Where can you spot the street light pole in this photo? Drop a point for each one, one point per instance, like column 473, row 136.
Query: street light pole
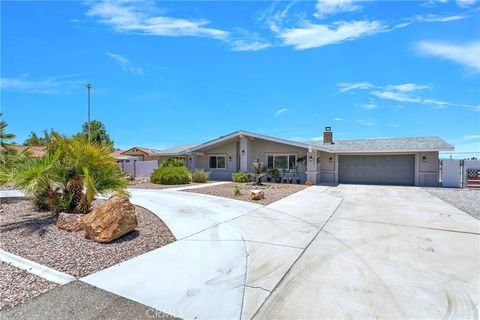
column 88, row 86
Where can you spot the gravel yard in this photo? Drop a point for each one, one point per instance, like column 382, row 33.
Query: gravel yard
column 33, row 235
column 464, row 199
column 18, row 286
column 273, row 191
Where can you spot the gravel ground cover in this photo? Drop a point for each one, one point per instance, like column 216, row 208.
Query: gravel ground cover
column 273, row 191
column 144, row 183
column 467, row 200
column 31, row 234
column 18, row 285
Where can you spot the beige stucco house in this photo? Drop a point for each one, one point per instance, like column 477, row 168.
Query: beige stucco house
column 397, row 161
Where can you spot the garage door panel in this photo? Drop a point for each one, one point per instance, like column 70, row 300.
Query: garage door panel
column 385, row 169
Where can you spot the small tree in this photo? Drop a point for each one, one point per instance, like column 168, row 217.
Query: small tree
column 98, row 133
column 34, row 140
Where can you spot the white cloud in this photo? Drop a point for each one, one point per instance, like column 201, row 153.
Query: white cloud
column 393, row 125
column 471, row 137
column 330, row 7
column 436, row 18
column 247, row 41
column 465, row 3
column 145, row 18
column 407, row 92
column 311, row 35
column 467, row 54
column 49, row 85
column 349, row 86
column 125, row 64
column 408, row 87
column 338, row 119
column 369, row 106
column 280, row 112
column 368, row 123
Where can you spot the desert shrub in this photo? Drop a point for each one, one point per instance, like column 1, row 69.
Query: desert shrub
column 241, row 177
column 170, row 175
column 70, row 175
column 236, row 191
column 199, row 176
column 172, row 162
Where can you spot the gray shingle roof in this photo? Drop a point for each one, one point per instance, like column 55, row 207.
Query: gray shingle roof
column 390, row 144
column 174, row 150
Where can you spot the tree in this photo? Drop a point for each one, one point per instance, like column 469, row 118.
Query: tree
column 69, row 176
column 98, row 132
column 34, row 140
column 4, row 137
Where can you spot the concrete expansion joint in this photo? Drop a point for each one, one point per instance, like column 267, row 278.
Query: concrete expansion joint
column 299, row 256
column 275, row 244
column 255, row 287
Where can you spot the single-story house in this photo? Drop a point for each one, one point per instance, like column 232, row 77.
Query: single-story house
column 394, row 161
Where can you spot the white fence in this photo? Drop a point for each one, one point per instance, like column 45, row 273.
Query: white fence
column 139, row 168
column 454, row 172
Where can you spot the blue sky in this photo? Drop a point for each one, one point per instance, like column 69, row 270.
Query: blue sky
column 168, row 73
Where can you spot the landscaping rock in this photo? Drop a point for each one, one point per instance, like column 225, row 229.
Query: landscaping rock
column 70, row 222
column 113, row 219
column 256, row 195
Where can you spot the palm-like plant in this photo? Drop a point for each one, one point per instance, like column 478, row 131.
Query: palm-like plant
column 4, row 137
column 70, row 175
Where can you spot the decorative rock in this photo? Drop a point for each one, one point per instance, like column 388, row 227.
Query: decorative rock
column 256, row 195
column 70, row 222
column 113, row 219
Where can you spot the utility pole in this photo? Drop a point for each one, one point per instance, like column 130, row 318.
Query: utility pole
column 88, row 86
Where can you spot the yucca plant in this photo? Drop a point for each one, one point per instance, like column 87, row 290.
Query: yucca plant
column 71, row 174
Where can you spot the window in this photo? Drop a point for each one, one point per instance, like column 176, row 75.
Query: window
column 282, row 161
column 217, row 162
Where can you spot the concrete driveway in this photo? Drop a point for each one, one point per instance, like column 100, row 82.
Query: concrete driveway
column 325, row 252
column 387, row 252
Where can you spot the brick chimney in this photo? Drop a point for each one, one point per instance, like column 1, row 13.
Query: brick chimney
column 328, row 135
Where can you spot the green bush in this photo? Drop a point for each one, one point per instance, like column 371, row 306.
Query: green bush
column 172, row 162
column 199, row 176
column 170, row 175
column 241, row 177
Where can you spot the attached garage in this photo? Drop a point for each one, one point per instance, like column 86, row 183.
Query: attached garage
column 377, row 169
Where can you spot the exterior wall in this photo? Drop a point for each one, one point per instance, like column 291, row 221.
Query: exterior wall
column 262, row 148
column 328, row 168
column 229, row 151
column 253, row 149
column 427, row 173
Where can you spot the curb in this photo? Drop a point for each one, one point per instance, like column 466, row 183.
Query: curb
column 47, row 273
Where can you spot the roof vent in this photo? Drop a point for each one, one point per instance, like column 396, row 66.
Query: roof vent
column 328, row 135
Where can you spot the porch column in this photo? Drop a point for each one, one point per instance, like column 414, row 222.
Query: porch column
column 313, row 171
column 243, row 153
column 191, row 162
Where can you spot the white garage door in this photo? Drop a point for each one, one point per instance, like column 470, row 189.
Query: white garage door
column 392, row 170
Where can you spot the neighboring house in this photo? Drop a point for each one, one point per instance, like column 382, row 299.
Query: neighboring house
column 34, row 151
column 396, row 161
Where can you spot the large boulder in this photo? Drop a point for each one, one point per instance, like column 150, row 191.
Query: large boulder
column 111, row 220
column 70, row 222
column 256, row 195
